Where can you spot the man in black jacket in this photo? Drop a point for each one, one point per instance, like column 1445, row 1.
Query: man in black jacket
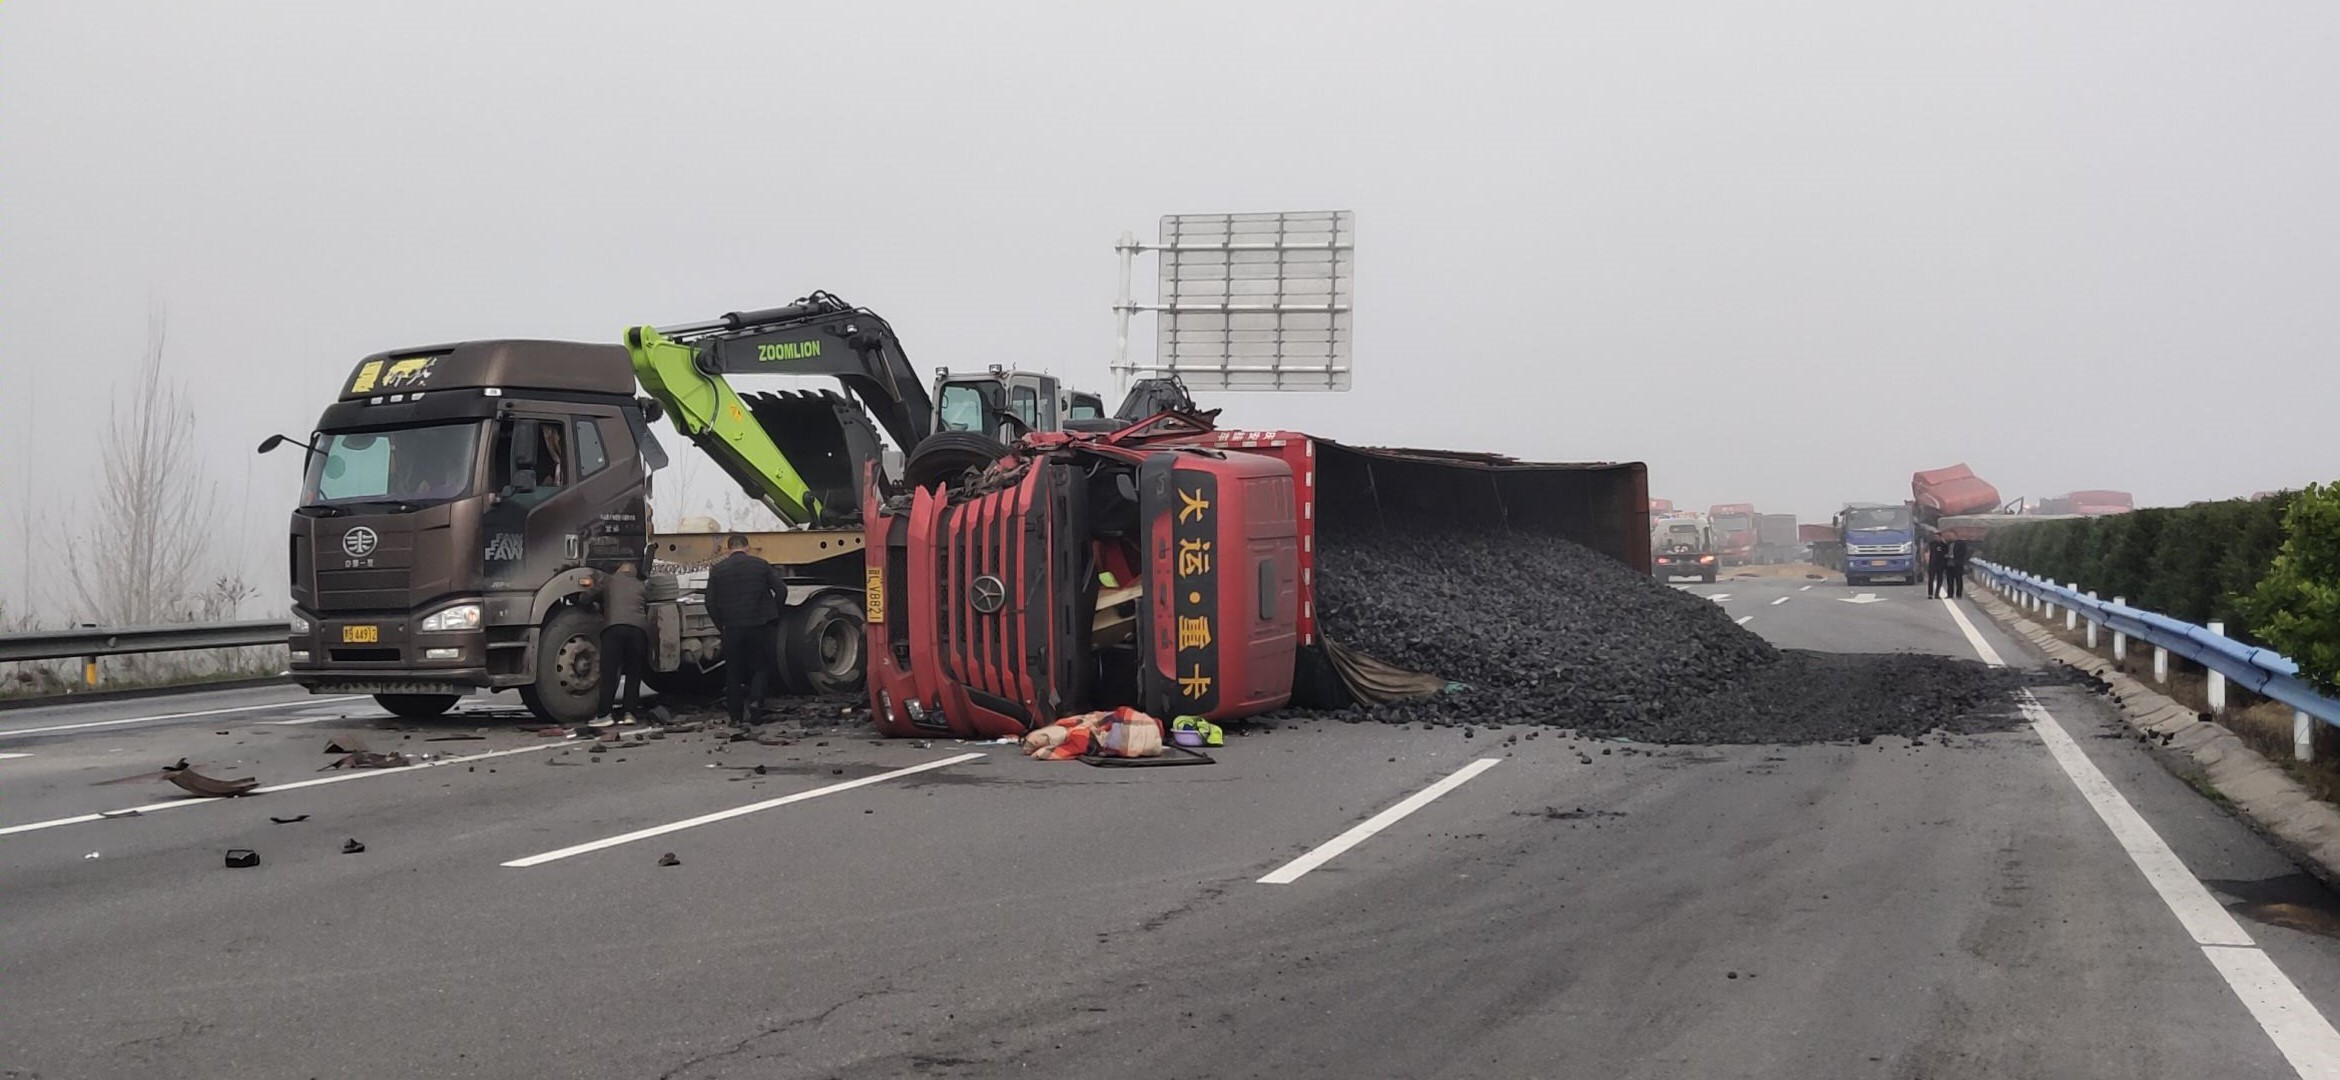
column 744, row 597
column 1937, row 568
column 625, row 641
column 1956, row 582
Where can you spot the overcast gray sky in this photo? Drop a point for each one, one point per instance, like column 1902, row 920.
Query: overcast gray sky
column 1784, row 253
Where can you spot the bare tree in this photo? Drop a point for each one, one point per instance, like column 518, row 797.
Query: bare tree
column 136, row 560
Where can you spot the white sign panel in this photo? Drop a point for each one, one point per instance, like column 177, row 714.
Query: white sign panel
column 1255, row 301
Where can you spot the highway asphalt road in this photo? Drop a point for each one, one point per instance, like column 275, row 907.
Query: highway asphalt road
column 1552, row 908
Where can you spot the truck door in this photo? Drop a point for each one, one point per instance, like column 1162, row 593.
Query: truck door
column 535, row 525
column 1032, row 401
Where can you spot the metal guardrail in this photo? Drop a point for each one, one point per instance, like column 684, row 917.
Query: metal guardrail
column 123, row 640
column 2262, row 671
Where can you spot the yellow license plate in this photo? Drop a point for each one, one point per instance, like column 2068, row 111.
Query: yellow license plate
column 874, row 604
column 357, row 635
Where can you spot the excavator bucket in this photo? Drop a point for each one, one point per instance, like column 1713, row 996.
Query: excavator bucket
column 826, row 436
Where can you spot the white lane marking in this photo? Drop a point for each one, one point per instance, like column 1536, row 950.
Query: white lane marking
column 5, row 757
column 304, row 720
column 2299, row 1031
column 170, row 716
column 196, row 800
column 736, row 811
column 1806, row 588
column 1781, row 600
column 1325, row 852
column 1745, row 619
column 1862, row 598
column 1719, row 597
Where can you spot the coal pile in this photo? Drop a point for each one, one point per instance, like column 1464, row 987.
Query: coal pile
column 1541, row 631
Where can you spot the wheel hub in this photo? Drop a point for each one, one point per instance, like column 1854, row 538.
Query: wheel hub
column 578, row 664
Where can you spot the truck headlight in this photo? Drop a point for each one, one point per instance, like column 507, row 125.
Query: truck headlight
column 300, row 624
column 459, row 617
column 1908, row 546
column 298, row 656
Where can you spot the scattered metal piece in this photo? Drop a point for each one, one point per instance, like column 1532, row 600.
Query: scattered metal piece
column 561, row 761
column 367, row 760
column 346, row 744
column 117, row 813
column 668, row 859
column 239, row 858
column 761, row 770
column 212, row 787
column 460, row 736
column 352, row 847
column 289, row 820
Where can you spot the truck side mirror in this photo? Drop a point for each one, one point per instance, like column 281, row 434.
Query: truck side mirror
column 271, row 443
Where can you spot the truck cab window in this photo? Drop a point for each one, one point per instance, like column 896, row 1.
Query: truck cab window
column 591, row 457
column 549, row 458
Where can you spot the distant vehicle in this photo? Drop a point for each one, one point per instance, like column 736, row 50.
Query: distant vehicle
column 1776, row 540
column 1822, row 545
column 1879, row 540
column 1734, row 532
column 1681, row 547
column 1660, row 507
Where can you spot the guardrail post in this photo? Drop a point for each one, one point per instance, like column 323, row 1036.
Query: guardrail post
column 89, row 669
column 2092, row 627
column 2071, row 614
column 2120, row 640
column 2217, row 677
column 2161, row 672
column 2303, row 735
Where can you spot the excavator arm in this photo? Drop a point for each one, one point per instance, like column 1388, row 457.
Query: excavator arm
column 683, row 367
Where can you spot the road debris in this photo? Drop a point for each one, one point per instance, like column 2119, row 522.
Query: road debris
column 668, row 859
column 211, row 787
column 352, row 847
column 460, row 736
column 368, row 760
column 91, row 855
column 240, row 858
column 289, row 820
column 346, row 744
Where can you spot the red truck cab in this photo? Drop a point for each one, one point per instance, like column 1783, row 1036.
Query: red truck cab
column 1091, row 575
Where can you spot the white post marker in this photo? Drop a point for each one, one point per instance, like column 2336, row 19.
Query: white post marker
column 2303, row 735
column 2120, row 640
column 2092, row 625
column 2161, row 675
column 2217, row 678
column 2072, row 614
column 1325, row 852
column 2299, row 1032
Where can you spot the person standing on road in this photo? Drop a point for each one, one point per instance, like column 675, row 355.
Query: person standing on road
column 744, row 596
column 1937, row 565
column 1956, row 571
column 625, row 642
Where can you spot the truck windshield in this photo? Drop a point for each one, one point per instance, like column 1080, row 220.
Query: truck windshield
column 1877, row 519
column 419, row 465
column 1734, row 523
column 1683, row 537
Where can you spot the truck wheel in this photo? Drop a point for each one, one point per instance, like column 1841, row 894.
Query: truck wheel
column 944, row 457
column 417, row 706
column 1854, row 579
column 1707, row 577
column 822, row 644
column 568, row 669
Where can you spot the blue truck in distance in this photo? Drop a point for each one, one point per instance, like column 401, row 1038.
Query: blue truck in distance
column 1879, row 541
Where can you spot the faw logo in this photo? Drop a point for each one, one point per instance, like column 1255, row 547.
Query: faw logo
column 788, row 350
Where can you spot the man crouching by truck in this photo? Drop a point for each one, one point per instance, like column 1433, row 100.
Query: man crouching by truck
column 744, row 594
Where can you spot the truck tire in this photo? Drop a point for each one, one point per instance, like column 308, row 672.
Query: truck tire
column 417, row 706
column 1854, row 579
column 1707, row 577
column 944, row 457
column 821, row 642
column 567, row 689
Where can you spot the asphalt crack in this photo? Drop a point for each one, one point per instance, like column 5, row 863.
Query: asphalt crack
column 745, row 1045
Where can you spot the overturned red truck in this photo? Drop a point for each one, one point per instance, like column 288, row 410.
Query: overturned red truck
column 1168, row 566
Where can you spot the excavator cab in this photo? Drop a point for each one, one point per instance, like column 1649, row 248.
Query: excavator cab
column 998, row 403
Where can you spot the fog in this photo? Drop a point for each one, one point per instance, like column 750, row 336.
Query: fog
column 1784, row 254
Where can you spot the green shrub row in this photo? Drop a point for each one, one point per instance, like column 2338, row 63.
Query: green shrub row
column 2198, row 563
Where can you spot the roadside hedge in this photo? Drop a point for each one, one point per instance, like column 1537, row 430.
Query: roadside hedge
column 2198, row 562
column 2296, row 606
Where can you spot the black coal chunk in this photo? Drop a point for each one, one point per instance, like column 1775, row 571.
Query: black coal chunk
column 1539, row 630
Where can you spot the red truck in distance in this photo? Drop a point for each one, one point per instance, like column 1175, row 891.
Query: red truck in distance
column 1734, row 532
